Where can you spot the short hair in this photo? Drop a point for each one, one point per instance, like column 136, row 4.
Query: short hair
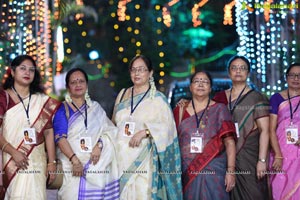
column 70, row 72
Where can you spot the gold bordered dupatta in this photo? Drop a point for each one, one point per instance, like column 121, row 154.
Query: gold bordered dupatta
column 48, row 106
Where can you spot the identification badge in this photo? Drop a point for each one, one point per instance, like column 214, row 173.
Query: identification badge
column 291, row 133
column 197, row 143
column 29, row 136
column 85, row 144
column 129, row 129
column 236, row 125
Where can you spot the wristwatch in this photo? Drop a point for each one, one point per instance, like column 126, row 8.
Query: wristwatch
column 262, row 160
column 147, row 132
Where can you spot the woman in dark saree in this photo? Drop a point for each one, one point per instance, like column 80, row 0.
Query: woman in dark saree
column 250, row 113
column 204, row 166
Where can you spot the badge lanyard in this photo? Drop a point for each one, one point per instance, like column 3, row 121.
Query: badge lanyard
column 198, row 119
column 133, row 108
column 84, row 116
column 291, row 108
column 26, row 109
column 231, row 108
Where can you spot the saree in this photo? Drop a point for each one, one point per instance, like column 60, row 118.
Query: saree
column 29, row 183
column 286, row 185
column 100, row 181
column 204, row 173
column 250, row 107
column 151, row 170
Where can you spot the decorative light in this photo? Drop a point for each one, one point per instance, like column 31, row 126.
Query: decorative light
column 196, row 13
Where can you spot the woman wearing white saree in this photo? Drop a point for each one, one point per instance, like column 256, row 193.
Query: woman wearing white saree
column 149, row 157
column 26, row 126
column 85, row 138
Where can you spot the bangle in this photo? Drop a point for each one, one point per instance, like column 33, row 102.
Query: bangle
column 52, row 163
column 3, row 147
column 262, row 160
column 70, row 159
column 278, row 157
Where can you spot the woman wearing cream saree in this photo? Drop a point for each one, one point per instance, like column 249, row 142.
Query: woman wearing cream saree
column 149, row 161
column 25, row 109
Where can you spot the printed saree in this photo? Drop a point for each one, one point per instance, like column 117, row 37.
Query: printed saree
column 100, row 181
column 152, row 170
column 203, row 174
column 286, row 185
column 251, row 106
column 30, row 183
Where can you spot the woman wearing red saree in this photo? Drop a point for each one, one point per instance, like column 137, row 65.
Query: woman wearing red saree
column 284, row 129
column 24, row 108
column 206, row 139
column 250, row 113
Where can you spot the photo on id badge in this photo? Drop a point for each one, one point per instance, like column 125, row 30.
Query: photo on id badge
column 291, row 136
column 29, row 136
column 129, row 129
column 85, row 144
column 196, row 145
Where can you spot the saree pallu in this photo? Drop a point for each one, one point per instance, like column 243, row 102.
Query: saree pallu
column 286, row 185
column 251, row 106
column 99, row 181
column 204, row 173
column 152, row 170
column 30, row 183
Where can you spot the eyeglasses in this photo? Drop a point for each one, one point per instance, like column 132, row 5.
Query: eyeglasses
column 201, row 81
column 139, row 70
column 23, row 68
column 75, row 82
column 242, row 68
column 293, row 76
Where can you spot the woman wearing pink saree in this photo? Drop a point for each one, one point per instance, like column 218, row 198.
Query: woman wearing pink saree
column 284, row 129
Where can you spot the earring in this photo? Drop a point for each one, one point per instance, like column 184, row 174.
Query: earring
column 152, row 87
column 68, row 97
column 87, row 98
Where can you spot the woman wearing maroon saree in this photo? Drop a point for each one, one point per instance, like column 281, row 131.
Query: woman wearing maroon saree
column 204, row 128
column 250, row 112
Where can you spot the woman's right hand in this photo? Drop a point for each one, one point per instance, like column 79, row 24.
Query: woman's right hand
column 77, row 167
column 20, row 159
column 277, row 164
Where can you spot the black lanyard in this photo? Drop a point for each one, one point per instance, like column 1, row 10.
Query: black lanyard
column 198, row 120
column 231, row 108
column 291, row 108
column 133, row 108
column 84, row 116
column 26, row 109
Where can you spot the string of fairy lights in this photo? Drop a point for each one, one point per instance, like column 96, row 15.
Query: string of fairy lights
column 27, row 26
column 134, row 30
column 268, row 35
